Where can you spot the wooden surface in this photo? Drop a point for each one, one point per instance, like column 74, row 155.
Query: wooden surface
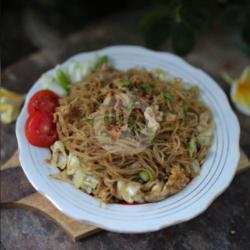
column 39, row 203
column 35, row 201
column 225, row 225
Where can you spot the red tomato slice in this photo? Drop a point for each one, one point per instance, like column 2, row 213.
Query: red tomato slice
column 40, row 129
column 43, row 100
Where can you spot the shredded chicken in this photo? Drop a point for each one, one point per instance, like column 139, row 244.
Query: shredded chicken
column 151, row 119
column 177, row 180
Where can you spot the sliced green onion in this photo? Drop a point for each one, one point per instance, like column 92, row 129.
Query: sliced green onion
column 163, row 107
column 168, row 96
column 144, row 175
column 104, row 134
column 127, row 83
column 131, row 121
column 120, row 117
column 100, row 61
column 62, row 78
column 107, row 118
column 146, row 89
column 90, row 121
column 153, row 141
column 150, row 130
column 131, row 105
column 185, row 109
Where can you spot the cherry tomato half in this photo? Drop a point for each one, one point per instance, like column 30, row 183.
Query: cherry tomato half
column 43, row 100
column 40, row 129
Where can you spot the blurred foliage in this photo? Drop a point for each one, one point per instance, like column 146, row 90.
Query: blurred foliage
column 58, row 18
column 155, row 25
column 179, row 21
column 176, row 21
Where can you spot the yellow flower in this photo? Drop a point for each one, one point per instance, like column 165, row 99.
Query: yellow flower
column 10, row 104
column 240, row 92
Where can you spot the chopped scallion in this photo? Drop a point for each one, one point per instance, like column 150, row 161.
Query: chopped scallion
column 131, row 105
column 100, row 61
column 62, row 78
column 144, row 175
column 153, row 141
column 127, row 83
column 90, row 121
column 131, row 122
column 107, row 118
column 146, row 89
column 104, row 134
column 163, row 107
column 169, row 97
column 185, row 109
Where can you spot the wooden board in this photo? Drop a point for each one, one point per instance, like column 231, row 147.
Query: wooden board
column 35, row 201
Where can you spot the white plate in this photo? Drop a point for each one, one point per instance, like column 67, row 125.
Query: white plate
column 216, row 174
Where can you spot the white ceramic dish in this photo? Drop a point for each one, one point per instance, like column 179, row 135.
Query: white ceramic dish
column 216, row 174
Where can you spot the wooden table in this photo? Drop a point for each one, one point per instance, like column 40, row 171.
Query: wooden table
column 225, row 225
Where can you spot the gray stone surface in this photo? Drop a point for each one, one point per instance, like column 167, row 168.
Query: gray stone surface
column 226, row 223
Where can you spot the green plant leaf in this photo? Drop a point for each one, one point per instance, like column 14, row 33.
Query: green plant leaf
column 196, row 12
column 155, row 27
column 231, row 15
column 246, row 27
column 240, row 42
column 182, row 38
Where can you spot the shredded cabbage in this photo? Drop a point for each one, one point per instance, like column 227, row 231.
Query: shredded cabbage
column 205, row 129
column 59, row 156
column 72, row 169
column 195, row 168
column 162, row 75
column 204, row 118
column 205, row 137
column 192, row 149
column 49, row 82
column 61, row 175
column 86, row 182
column 129, row 191
column 75, row 72
column 73, row 164
column 78, row 70
column 78, row 177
